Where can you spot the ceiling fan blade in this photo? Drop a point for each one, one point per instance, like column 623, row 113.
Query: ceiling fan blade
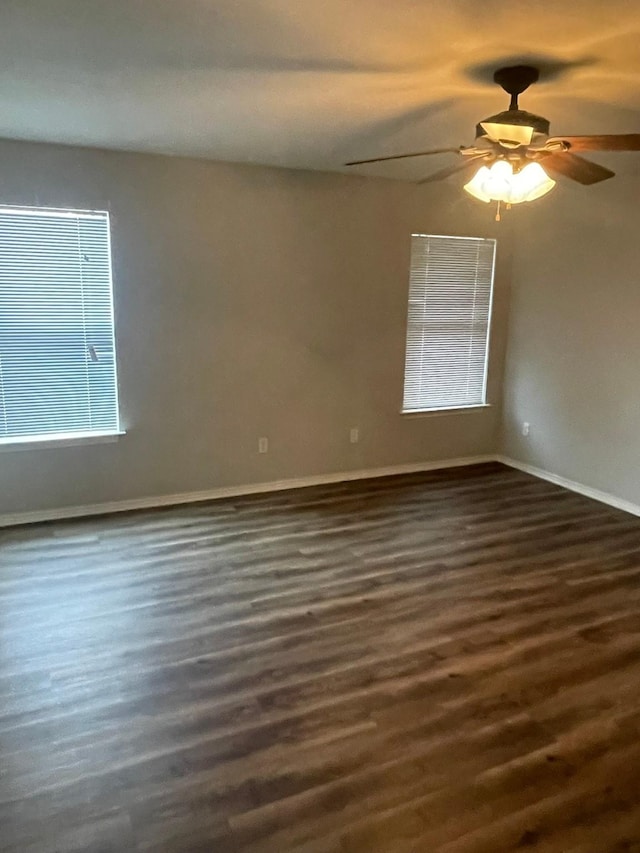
column 404, row 156
column 467, row 165
column 612, row 142
column 577, row 168
column 509, row 134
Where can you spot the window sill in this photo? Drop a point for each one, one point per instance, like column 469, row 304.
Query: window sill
column 67, row 440
column 445, row 410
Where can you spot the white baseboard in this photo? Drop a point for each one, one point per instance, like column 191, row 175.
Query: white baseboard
column 60, row 513
column 587, row 491
column 31, row 517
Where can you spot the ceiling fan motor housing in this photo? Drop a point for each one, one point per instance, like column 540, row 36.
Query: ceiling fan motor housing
column 518, row 117
column 514, row 80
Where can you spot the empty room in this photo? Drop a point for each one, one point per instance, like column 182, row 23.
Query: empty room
column 319, row 426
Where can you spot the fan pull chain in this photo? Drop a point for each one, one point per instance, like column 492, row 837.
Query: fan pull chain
column 498, row 217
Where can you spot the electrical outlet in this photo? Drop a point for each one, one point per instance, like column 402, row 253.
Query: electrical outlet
column 525, row 428
column 263, row 445
column 354, row 435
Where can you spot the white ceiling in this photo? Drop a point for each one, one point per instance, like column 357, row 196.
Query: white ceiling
column 308, row 84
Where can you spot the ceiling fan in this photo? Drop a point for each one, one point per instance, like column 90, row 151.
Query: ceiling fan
column 512, row 147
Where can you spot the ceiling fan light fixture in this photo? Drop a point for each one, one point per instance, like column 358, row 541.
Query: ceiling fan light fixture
column 501, row 183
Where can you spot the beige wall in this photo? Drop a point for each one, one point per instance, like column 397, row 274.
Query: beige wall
column 249, row 302
column 573, row 363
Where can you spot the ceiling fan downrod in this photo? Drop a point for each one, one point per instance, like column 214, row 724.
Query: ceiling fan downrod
column 515, row 79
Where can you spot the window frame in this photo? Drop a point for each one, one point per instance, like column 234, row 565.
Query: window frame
column 435, row 411
column 74, row 437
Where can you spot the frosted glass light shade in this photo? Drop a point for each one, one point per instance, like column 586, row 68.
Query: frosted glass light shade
column 533, row 182
column 500, row 183
column 476, row 186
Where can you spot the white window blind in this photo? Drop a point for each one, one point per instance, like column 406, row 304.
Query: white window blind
column 450, row 293
column 57, row 354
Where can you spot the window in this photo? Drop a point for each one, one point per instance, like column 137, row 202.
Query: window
column 57, row 354
column 450, row 291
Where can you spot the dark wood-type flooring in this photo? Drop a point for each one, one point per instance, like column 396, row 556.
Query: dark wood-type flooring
column 438, row 663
